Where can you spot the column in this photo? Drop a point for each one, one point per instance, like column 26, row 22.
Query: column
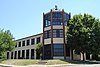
column 25, row 54
column 13, row 54
column 16, row 54
column 35, row 41
column 90, row 56
column 29, row 53
column 9, row 55
column 81, row 55
column 34, row 54
column 21, row 53
column 84, row 56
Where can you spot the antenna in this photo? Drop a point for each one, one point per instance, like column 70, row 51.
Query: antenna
column 56, row 7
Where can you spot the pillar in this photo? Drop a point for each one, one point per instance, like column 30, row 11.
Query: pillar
column 20, row 53
column 16, row 54
column 29, row 53
column 9, row 55
column 90, row 56
column 81, row 56
column 34, row 54
column 13, row 54
column 25, row 54
column 84, row 56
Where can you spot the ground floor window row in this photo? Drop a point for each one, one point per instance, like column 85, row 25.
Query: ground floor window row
column 55, row 50
column 21, row 54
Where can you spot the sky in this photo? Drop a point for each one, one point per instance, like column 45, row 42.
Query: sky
column 25, row 17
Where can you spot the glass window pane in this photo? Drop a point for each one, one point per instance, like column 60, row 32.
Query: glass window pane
column 38, row 40
column 58, row 49
column 32, row 41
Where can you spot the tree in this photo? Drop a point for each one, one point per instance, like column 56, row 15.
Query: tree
column 39, row 50
column 7, row 43
column 81, row 31
column 95, row 37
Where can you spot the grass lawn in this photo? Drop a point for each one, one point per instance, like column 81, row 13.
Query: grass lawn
column 23, row 62
column 50, row 62
column 19, row 62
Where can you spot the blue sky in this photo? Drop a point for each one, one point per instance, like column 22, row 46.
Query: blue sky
column 24, row 17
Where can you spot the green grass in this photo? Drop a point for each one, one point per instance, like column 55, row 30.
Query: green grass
column 50, row 62
column 20, row 62
column 24, row 62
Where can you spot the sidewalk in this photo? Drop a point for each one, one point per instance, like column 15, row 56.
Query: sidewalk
column 5, row 65
column 35, row 65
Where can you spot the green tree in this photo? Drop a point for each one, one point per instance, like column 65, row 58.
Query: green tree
column 39, row 50
column 7, row 43
column 95, row 37
column 81, row 33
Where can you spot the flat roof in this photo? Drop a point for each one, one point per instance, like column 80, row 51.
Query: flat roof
column 29, row 36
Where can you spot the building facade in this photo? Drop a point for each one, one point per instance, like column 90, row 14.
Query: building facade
column 25, row 47
column 54, row 25
column 53, row 39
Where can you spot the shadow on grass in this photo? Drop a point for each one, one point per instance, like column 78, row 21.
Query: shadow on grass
column 81, row 62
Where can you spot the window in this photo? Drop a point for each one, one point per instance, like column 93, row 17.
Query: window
column 16, row 45
column 57, row 18
column 23, row 43
column 11, row 55
column 66, row 18
column 19, row 52
column 32, row 41
column 58, row 49
column 19, row 44
column 7, row 55
column 27, row 54
column 58, row 33
column 28, row 42
column 47, row 34
column 38, row 40
column 32, row 53
column 47, row 20
column 15, row 56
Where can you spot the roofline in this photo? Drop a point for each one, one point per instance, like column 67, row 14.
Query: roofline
column 57, row 11
column 28, row 36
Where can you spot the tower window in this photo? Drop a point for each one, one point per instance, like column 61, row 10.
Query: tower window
column 47, row 34
column 58, row 50
column 47, row 20
column 58, row 33
column 57, row 18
